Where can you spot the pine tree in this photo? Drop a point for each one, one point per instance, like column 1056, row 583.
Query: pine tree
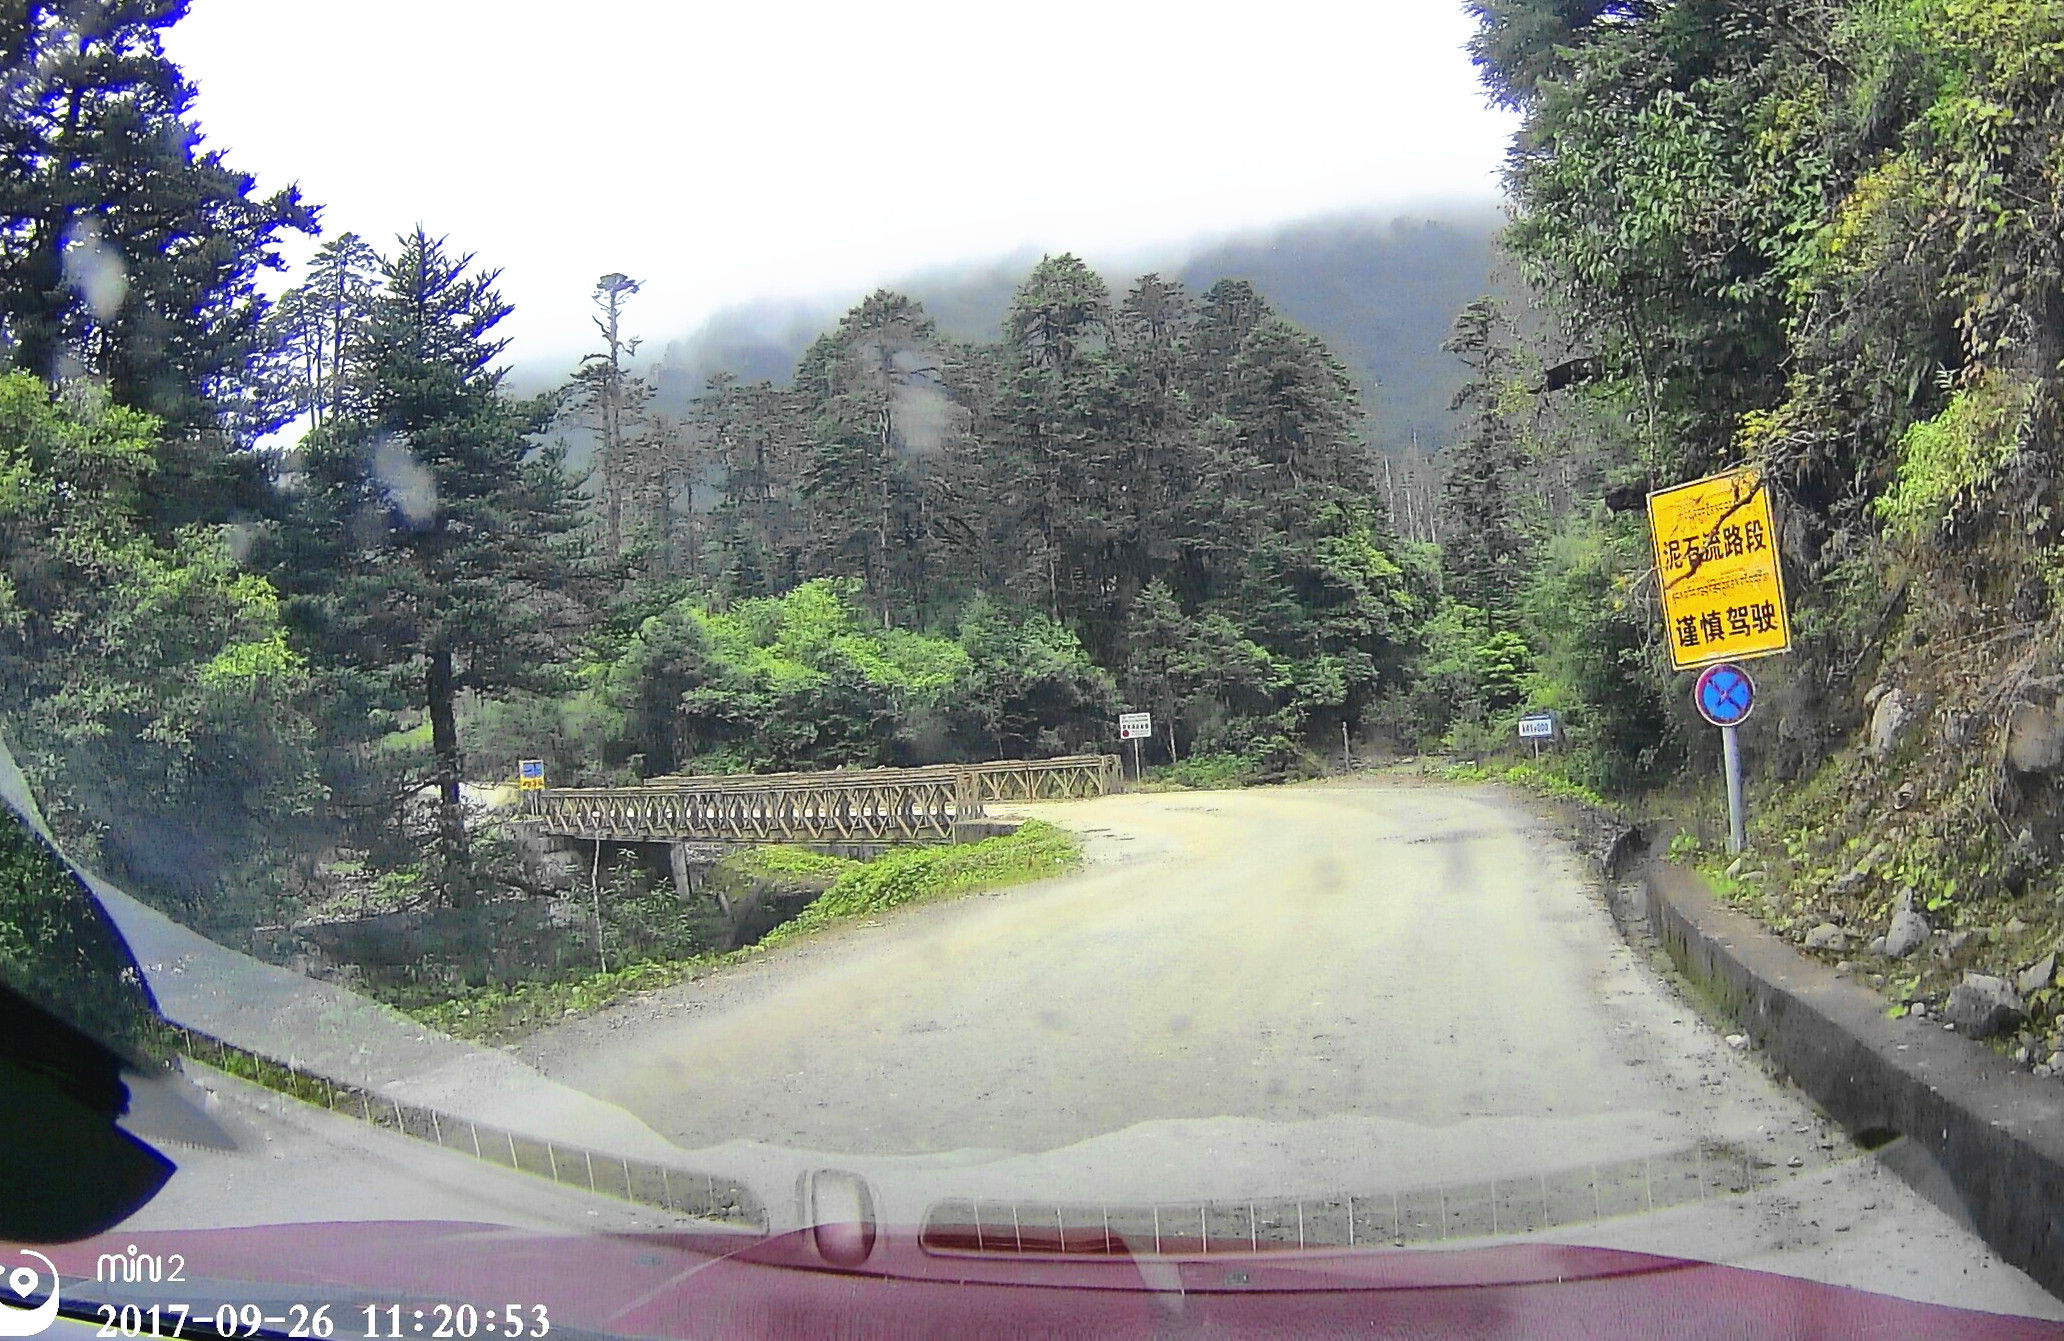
column 610, row 404
column 1487, row 540
column 874, row 391
column 433, row 546
column 128, row 255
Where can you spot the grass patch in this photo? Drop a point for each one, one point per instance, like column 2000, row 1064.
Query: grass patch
column 797, row 861
column 910, row 875
column 1533, row 777
column 913, row 875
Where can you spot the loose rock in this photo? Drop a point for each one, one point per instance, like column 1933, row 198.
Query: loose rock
column 1892, row 722
column 1738, row 1041
column 1826, row 936
column 1982, row 1005
column 2035, row 737
column 2037, row 975
column 1909, row 930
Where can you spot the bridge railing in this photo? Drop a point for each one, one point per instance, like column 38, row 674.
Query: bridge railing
column 894, row 805
column 1071, row 778
column 871, row 805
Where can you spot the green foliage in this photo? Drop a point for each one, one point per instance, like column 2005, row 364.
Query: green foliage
column 144, row 681
column 132, row 254
column 1030, row 690
column 1597, row 666
column 910, row 875
column 57, row 950
column 1546, row 778
column 430, row 554
column 1950, row 458
column 764, row 861
column 1205, row 772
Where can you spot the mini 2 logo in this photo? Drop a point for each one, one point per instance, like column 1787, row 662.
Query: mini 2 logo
column 21, row 1319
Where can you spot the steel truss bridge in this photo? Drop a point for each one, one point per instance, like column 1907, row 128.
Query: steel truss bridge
column 875, row 805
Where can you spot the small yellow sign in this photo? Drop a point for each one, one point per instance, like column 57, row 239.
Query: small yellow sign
column 1716, row 556
column 530, row 775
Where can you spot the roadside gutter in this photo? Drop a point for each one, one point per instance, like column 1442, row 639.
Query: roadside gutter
column 1995, row 1131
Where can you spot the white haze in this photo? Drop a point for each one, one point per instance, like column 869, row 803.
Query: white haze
column 738, row 152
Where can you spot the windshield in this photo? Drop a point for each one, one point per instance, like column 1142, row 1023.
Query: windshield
column 718, row 672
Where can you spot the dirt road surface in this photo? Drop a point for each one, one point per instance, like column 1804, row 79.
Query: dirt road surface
column 1368, row 986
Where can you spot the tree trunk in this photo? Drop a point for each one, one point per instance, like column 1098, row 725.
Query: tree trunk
column 442, row 696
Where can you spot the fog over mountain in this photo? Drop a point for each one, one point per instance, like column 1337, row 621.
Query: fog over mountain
column 1381, row 292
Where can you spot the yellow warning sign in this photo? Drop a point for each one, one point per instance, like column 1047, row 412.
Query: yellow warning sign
column 1716, row 555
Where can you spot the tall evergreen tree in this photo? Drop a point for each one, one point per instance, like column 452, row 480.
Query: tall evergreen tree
column 1485, row 560
column 127, row 253
column 610, row 403
column 873, row 385
column 433, row 546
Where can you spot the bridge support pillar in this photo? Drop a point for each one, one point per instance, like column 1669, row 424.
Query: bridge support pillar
column 677, row 862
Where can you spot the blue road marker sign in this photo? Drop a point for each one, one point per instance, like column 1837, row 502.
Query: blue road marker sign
column 1724, row 694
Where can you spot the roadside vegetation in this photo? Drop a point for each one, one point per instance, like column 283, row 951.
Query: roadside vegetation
column 850, row 890
column 266, row 691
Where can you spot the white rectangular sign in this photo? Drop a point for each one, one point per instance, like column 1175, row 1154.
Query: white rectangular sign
column 1537, row 726
column 1135, row 725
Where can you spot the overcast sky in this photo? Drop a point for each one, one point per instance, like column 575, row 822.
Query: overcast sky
column 726, row 153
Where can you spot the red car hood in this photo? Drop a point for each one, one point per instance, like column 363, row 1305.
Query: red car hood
column 724, row 1286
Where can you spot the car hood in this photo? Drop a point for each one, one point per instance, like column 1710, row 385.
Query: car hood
column 840, row 1281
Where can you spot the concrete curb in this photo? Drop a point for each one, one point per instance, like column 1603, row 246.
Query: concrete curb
column 1997, row 1133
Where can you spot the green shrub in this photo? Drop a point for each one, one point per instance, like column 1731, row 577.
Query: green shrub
column 910, row 875
column 1945, row 460
column 1204, row 772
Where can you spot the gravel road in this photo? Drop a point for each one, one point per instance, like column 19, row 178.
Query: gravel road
column 1374, row 985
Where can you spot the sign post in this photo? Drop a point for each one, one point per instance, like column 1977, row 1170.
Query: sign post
column 530, row 777
column 1723, row 601
column 1724, row 695
column 1135, row 727
column 1537, row 727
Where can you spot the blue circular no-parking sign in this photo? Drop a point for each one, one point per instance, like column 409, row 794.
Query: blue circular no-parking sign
column 1724, row 694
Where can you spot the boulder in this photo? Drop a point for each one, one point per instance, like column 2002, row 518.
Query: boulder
column 2035, row 737
column 1982, row 1005
column 1877, row 691
column 1826, row 936
column 1909, row 930
column 2037, row 975
column 1892, row 722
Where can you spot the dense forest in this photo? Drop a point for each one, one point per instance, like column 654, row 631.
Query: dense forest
column 1815, row 235
column 1380, row 292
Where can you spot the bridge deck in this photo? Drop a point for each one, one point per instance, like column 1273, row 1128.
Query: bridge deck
column 881, row 805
